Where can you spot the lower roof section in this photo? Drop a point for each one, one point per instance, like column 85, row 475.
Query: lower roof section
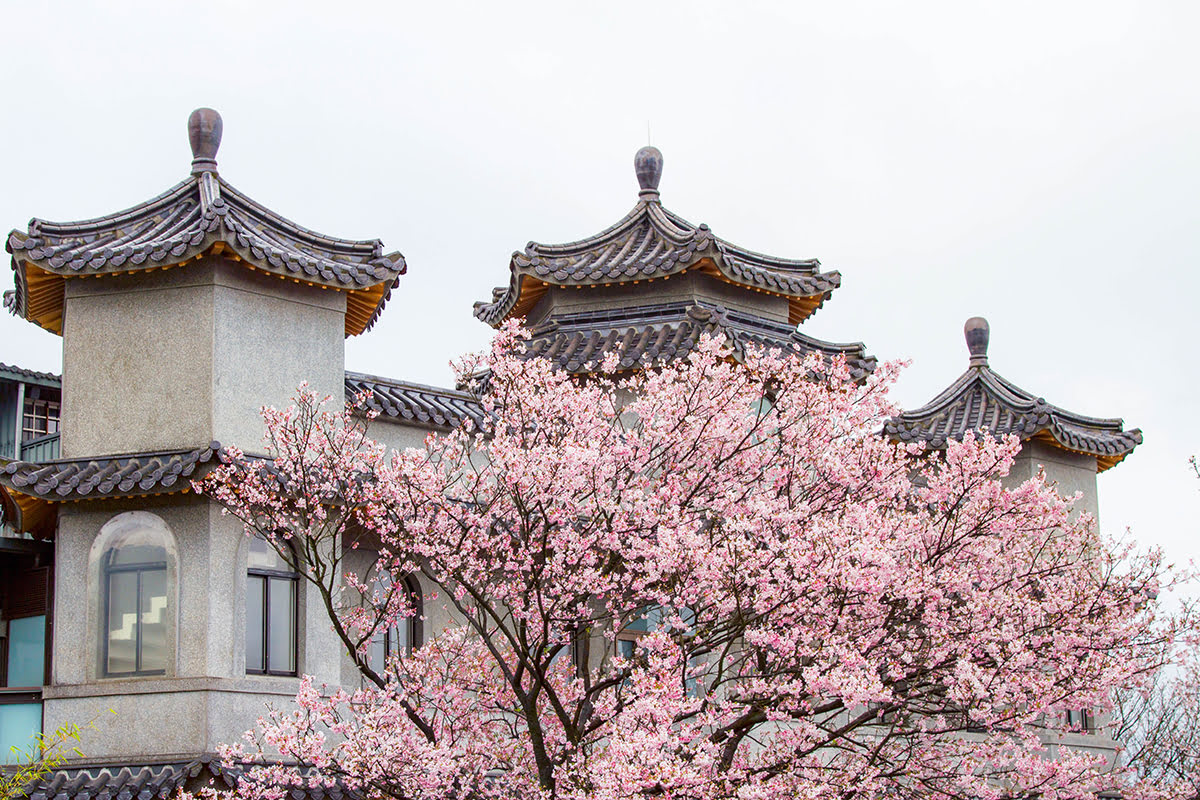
column 108, row 476
column 161, row 780
column 414, row 403
column 658, row 334
column 29, row 490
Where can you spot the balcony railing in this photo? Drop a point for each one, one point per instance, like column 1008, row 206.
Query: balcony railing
column 43, row 448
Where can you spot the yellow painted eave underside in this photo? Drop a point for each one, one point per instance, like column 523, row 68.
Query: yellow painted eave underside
column 46, row 291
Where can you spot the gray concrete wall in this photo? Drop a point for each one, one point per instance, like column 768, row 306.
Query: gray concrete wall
column 270, row 335
column 1069, row 472
column 205, row 698
column 178, row 358
column 690, row 286
column 397, row 435
column 137, row 361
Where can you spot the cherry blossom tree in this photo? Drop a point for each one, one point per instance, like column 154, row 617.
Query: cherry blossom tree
column 708, row 580
column 1159, row 726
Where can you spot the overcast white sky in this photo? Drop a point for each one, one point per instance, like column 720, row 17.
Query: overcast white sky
column 1035, row 163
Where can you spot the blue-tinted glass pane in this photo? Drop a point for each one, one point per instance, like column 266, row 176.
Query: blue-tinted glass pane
column 281, row 627
column 254, row 623
column 625, row 648
column 122, row 623
column 377, row 652
column 18, row 723
column 400, row 637
column 154, row 620
column 26, row 651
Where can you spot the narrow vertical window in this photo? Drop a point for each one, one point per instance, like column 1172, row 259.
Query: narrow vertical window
column 401, row 638
column 136, row 619
column 270, row 611
column 23, row 593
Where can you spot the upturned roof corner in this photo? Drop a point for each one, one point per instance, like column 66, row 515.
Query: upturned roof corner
column 982, row 400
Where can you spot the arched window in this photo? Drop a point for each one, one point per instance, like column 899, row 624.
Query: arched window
column 136, row 596
column 270, row 611
column 403, row 637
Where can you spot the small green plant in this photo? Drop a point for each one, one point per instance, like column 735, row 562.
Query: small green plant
column 46, row 753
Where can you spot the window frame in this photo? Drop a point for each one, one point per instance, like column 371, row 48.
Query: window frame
column 1081, row 720
column 108, row 569
column 267, row 576
column 50, row 414
column 414, row 623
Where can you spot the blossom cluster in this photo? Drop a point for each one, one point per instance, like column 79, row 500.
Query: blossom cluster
column 711, row 579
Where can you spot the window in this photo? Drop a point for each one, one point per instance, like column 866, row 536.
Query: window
column 23, row 594
column 1081, row 720
column 648, row 619
column 40, row 418
column 405, row 635
column 136, row 616
column 270, row 611
column 643, row 621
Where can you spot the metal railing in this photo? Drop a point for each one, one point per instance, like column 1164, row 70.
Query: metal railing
column 43, row 448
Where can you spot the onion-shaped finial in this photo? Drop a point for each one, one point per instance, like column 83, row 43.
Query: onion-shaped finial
column 204, row 133
column 977, row 332
column 648, row 165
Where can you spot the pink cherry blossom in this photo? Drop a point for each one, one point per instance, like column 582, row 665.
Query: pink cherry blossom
column 713, row 579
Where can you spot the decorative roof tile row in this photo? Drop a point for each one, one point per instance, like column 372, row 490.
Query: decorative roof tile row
column 659, row 334
column 185, row 221
column 123, row 782
column 161, row 781
column 982, row 400
column 108, row 476
column 414, row 403
column 10, row 372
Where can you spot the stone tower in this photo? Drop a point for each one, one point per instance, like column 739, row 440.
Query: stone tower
column 180, row 318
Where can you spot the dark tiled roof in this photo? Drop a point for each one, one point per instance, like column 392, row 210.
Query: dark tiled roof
column 108, row 476
column 649, row 243
column 161, row 780
column 201, row 214
column 982, row 400
column 412, row 402
column 125, row 782
column 21, row 374
column 648, row 335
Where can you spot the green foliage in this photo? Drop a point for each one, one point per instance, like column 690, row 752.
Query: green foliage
column 46, row 753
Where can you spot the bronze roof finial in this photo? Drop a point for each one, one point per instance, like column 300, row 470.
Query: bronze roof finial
column 204, row 133
column 977, row 332
column 648, row 165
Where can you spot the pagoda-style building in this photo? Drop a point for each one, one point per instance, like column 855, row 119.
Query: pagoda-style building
column 1072, row 448
column 650, row 285
column 180, row 318
column 122, row 589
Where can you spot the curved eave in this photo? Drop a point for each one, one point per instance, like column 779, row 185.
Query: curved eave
column 40, row 288
column 199, row 217
column 27, row 513
column 525, row 287
column 38, row 485
column 678, row 247
column 661, row 334
column 1031, row 418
